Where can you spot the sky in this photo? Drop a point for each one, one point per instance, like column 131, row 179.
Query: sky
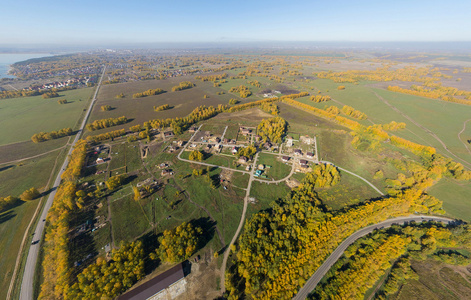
column 102, row 22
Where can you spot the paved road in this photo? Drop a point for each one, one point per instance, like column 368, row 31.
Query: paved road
column 311, row 284
column 26, row 292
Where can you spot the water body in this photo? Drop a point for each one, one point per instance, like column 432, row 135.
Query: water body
column 6, row 59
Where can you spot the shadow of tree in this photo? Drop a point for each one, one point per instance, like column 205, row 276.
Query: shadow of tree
column 6, row 216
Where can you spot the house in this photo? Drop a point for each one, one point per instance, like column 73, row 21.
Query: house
column 258, row 138
column 172, row 148
column 285, row 158
column 246, row 131
column 193, row 129
column 310, row 155
column 168, row 134
column 208, row 147
column 152, row 288
column 261, row 167
column 248, row 168
column 163, row 165
column 234, row 150
column 226, row 141
column 215, row 139
column 258, row 173
column 267, row 145
column 180, row 143
column 303, row 162
column 99, row 160
column 298, row 152
column 166, row 172
column 289, row 141
column 243, row 160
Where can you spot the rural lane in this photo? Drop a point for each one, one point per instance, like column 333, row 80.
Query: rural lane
column 239, row 228
column 312, row 282
column 26, row 292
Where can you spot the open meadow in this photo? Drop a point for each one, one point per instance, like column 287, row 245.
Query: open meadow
column 20, row 118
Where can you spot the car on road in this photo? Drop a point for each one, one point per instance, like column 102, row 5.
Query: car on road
column 35, row 242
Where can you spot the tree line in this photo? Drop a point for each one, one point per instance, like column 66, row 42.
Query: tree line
column 212, row 77
column 320, row 98
column 46, row 136
column 183, row 86
column 105, row 123
column 350, row 111
column 149, row 92
column 161, row 107
column 57, row 275
column 10, row 201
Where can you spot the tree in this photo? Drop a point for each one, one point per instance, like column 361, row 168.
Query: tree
column 137, row 194
column 196, row 155
column 114, row 182
column 179, row 243
column 30, row 194
column 272, row 129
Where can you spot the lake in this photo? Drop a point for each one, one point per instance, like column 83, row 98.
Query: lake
column 6, row 59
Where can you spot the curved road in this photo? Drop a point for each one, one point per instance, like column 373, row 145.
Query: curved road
column 26, row 292
column 312, row 282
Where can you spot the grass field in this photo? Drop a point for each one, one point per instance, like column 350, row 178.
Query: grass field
column 351, row 190
column 265, row 194
column 278, row 170
column 12, row 152
column 455, row 196
column 445, row 119
column 20, row 118
column 13, row 224
column 18, row 177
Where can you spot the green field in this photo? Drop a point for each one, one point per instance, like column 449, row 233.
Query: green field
column 265, row 194
column 16, row 178
column 455, row 196
column 278, row 170
column 13, row 224
column 349, row 191
column 445, row 119
column 20, row 118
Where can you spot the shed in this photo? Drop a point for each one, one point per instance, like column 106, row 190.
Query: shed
column 155, row 285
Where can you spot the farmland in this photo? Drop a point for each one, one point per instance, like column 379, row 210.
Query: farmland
column 20, row 118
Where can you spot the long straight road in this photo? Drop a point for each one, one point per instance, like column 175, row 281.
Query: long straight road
column 26, row 292
column 312, row 282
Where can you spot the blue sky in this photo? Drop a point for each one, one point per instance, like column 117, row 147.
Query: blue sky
column 104, row 21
